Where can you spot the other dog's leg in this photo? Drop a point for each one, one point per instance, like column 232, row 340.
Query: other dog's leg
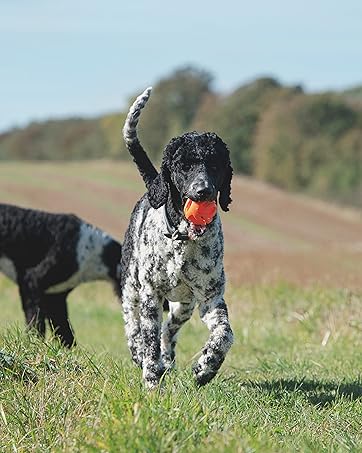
column 215, row 315
column 130, row 305
column 30, row 299
column 57, row 313
column 151, row 321
column 34, row 281
column 178, row 315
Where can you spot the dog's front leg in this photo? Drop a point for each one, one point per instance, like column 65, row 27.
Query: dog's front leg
column 215, row 315
column 32, row 284
column 179, row 313
column 131, row 314
column 30, row 299
column 151, row 319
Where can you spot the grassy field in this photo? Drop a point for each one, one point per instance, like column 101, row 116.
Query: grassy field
column 291, row 382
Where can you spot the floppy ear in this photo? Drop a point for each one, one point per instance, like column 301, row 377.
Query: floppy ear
column 157, row 193
column 225, row 189
column 161, row 185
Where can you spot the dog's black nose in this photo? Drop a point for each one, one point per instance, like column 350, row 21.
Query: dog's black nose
column 204, row 191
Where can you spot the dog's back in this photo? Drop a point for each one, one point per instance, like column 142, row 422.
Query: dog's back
column 27, row 235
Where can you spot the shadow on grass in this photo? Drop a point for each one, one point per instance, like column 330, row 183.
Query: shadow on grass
column 320, row 394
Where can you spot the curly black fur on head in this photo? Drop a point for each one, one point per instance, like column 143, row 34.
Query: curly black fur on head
column 192, row 159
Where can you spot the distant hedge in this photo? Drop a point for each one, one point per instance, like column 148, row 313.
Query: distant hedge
column 276, row 133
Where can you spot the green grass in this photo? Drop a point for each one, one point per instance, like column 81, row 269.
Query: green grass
column 292, row 381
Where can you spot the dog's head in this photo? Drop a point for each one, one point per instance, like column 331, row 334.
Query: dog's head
column 195, row 166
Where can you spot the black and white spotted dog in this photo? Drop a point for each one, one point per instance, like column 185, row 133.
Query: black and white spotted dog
column 48, row 255
column 167, row 258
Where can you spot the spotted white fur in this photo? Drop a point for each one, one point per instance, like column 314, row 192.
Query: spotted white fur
column 178, row 271
column 158, row 267
column 89, row 259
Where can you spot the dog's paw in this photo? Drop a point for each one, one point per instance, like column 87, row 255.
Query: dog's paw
column 202, row 375
column 152, row 384
column 168, row 364
column 152, row 374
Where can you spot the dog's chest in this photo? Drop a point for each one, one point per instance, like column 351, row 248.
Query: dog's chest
column 192, row 269
column 177, row 269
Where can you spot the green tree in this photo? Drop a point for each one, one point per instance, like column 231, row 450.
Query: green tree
column 172, row 108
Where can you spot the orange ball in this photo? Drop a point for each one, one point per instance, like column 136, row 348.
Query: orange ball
column 200, row 213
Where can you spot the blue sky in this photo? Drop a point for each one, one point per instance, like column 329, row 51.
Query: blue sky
column 87, row 57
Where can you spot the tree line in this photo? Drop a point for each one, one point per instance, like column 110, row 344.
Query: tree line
column 276, row 133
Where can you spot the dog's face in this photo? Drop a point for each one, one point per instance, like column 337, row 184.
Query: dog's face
column 195, row 166
column 199, row 168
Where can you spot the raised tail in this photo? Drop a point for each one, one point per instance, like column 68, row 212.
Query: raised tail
column 144, row 165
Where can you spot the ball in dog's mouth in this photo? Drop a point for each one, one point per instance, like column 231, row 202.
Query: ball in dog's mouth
column 199, row 214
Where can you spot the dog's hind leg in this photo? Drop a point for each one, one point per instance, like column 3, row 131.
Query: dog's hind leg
column 215, row 315
column 179, row 313
column 34, row 281
column 57, row 314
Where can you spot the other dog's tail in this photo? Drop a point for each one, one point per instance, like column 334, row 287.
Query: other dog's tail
column 144, row 165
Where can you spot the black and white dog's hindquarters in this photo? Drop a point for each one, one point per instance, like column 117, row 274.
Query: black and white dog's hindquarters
column 167, row 257
column 48, row 255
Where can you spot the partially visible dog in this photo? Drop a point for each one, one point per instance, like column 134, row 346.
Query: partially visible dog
column 167, row 258
column 48, row 255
